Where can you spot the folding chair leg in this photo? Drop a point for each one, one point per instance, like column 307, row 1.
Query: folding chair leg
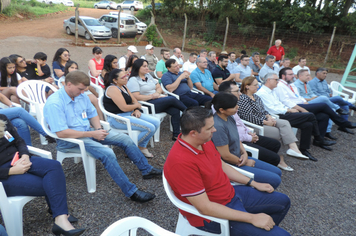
column 90, row 173
column 43, row 140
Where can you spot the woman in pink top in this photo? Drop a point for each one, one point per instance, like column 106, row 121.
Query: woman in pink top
column 96, row 64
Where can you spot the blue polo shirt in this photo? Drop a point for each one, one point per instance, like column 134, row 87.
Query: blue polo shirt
column 206, row 79
column 308, row 93
column 319, row 87
column 243, row 71
column 170, row 78
column 62, row 113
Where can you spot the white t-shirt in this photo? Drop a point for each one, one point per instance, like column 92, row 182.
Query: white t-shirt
column 179, row 60
column 122, row 62
column 298, row 67
column 188, row 66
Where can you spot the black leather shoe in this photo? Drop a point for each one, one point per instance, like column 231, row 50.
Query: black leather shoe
column 352, row 125
column 141, row 196
column 174, row 138
column 342, row 111
column 346, row 130
column 306, row 153
column 323, row 143
column 50, row 139
column 329, row 136
column 353, row 107
column 154, row 172
column 59, row 231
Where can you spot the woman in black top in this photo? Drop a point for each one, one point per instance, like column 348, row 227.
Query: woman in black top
column 34, row 176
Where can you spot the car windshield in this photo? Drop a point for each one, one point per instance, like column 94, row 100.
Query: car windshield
column 91, row 22
column 135, row 19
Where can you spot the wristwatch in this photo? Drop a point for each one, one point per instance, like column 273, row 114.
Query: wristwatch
column 249, row 182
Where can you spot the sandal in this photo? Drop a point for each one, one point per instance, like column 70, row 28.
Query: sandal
column 146, row 153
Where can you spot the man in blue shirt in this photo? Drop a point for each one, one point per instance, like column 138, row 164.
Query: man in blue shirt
column 268, row 67
column 69, row 113
column 202, row 78
column 180, row 84
column 242, row 70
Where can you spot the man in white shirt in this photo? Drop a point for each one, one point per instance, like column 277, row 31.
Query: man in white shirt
column 268, row 67
column 301, row 65
column 190, row 65
column 301, row 119
column 179, row 57
column 288, row 94
column 123, row 59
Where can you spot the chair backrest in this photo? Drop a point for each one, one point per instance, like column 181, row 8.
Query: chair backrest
column 60, row 80
column 4, row 203
column 169, row 93
column 96, row 80
column 128, row 226
column 35, row 91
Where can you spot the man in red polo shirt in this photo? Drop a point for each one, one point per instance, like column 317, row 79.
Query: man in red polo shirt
column 199, row 177
column 277, row 51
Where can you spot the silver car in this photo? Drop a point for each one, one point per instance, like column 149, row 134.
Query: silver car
column 132, row 5
column 96, row 29
column 127, row 25
column 141, row 27
column 105, row 4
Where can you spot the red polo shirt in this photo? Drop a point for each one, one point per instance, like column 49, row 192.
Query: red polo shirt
column 278, row 53
column 191, row 172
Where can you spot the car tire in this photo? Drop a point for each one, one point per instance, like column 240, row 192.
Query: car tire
column 114, row 33
column 132, row 8
column 96, row 6
column 68, row 31
column 87, row 36
column 108, row 7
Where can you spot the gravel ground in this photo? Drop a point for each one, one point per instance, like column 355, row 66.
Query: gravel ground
column 323, row 201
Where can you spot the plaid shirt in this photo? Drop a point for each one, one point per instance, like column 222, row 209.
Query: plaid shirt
column 252, row 111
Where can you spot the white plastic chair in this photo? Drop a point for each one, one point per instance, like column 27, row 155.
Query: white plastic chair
column 254, row 151
column 258, row 128
column 183, row 227
column 36, row 97
column 98, row 81
column 88, row 160
column 132, row 133
column 339, row 90
column 129, row 225
column 11, row 207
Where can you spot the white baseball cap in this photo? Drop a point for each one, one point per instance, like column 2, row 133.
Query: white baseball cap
column 149, row 46
column 132, row 49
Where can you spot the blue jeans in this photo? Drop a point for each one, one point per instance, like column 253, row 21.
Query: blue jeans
column 44, row 178
column 265, row 173
column 343, row 105
column 2, row 231
column 108, row 158
column 20, row 118
column 146, row 124
column 173, row 107
column 250, row 200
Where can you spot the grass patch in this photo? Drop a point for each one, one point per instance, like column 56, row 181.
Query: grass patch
column 32, row 8
column 85, row 4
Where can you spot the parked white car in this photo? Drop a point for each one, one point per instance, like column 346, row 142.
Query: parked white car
column 67, row 3
column 141, row 27
column 106, row 4
column 127, row 25
column 132, row 5
column 96, row 29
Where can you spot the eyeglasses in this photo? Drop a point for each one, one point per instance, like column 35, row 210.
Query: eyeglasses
column 66, row 55
column 236, row 91
column 125, row 76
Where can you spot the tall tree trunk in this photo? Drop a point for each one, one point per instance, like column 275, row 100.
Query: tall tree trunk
column 153, row 7
column 288, row 3
column 319, row 6
column 347, row 5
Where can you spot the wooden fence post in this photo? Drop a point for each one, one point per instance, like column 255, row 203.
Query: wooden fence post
column 76, row 24
column 273, row 31
column 226, row 32
column 330, row 44
column 118, row 27
column 185, row 30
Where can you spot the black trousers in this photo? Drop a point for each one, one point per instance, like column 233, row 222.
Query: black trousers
column 323, row 113
column 308, row 125
column 268, row 149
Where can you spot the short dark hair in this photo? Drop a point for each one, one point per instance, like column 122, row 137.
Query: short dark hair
column 243, row 52
column 321, row 69
column 226, row 86
column 286, row 59
column 97, row 50
column 269, row 57
column 69, row 64
column 203, row 50
column 231, row 53
column 40, row 56
column 194, row 118
column 224, row 100
column 78, row 77
column 222, row 57
column 255, row 53
column 244, row 56
column 302, row 58
column 193, row 54
column 169, row 63
column 164, row 50
column 283, row 71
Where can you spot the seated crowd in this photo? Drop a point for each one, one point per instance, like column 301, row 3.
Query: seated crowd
column 234, row 92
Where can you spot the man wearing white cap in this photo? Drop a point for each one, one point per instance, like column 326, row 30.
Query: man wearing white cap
column 123, row 59
column 150, row 58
